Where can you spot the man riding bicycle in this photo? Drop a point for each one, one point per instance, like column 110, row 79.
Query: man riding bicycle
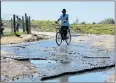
column 64, row 23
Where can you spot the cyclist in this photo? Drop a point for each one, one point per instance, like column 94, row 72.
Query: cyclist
column 64, row 23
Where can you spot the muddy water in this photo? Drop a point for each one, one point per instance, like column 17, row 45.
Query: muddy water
column 49, row 50
column 45, row 47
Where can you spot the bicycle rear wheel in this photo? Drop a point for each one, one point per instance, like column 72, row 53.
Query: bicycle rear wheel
column 68, row 40
column 58, row 38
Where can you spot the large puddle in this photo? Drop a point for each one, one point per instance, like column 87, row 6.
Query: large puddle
column 45, row 47
column 55, row 56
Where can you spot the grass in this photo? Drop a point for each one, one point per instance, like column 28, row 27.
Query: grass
column 50, row 26
column 94, row 28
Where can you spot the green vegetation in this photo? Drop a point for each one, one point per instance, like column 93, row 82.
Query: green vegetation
column 44, row 25
column 94, row 28
column 107, row 21
column 49, row 26
column 106, row 26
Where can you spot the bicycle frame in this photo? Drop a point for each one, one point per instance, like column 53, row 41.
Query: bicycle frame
column 60, row 27
column 58, row 31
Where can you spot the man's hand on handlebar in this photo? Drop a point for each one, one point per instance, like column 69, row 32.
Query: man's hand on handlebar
column 56, row 22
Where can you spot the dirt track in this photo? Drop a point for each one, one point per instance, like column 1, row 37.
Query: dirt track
column 22, row 38
column 12, row 69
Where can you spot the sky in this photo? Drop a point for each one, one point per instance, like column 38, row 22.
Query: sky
column 83, row 11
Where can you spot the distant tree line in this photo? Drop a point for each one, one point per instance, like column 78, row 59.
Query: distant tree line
column 106, row 21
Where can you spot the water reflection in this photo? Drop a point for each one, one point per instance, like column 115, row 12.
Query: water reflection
column 64, row 78
column 64, row 48
column 62, row 54
column 85, row 77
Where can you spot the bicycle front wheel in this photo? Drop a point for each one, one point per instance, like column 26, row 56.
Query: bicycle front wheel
column 58, row 38
column 68, row 40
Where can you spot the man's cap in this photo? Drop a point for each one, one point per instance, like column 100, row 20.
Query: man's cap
column 64, row 10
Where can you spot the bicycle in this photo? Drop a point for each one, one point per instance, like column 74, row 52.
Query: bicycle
column 59, row 37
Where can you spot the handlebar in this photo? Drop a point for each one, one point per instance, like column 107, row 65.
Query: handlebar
column 59, row 25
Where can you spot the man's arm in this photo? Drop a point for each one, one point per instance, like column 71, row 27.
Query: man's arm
column 57, row 21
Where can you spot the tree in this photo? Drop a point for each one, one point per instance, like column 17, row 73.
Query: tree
column 107, row 21
column 93, row 23
column 83, row 23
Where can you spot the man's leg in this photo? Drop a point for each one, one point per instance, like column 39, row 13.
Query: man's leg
column 63, row 32
column 66, row 28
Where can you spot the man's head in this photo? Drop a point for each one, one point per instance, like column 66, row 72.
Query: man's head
column 64, row 11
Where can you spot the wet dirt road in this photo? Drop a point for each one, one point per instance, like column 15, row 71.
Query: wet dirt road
column 80, row 55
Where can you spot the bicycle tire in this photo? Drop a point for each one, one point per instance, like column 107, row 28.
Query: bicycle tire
column 57, row 38
column 68, row 42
